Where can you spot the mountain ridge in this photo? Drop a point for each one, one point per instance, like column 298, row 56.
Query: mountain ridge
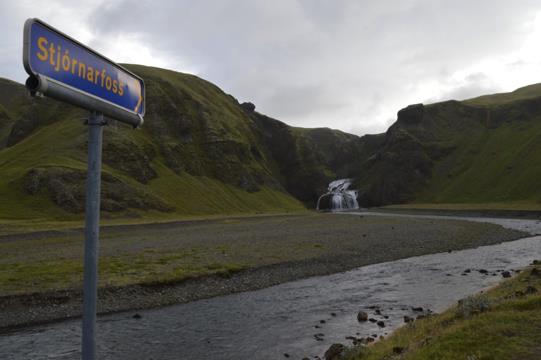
column 202, row 152
column 199, row 152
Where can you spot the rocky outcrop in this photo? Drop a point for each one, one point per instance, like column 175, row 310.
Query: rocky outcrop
column 412, row 114
column 248, row 107
column 128, row 156
column 66, row 188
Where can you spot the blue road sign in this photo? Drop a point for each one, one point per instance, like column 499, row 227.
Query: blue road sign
column 50, row 54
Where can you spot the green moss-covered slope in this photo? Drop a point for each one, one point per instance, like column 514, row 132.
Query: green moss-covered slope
column 481, row 151
column 199, row 152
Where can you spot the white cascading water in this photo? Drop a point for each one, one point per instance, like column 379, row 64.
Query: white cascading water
column 342, row 197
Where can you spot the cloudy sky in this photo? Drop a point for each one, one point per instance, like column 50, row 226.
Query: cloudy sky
column 344, row 64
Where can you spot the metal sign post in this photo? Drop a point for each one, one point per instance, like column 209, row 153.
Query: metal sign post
column 92, row 234
column 63, row 68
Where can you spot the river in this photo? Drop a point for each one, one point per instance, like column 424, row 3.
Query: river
column 300, row 319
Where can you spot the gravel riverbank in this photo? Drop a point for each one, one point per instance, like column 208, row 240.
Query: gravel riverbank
column 266, row 250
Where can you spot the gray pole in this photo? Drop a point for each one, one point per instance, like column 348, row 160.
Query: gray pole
column 92, row 233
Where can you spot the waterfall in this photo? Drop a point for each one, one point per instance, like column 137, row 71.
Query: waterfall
column 338, row 197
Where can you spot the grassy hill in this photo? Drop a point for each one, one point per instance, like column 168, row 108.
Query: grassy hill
column 483, row 152
column 200, row 152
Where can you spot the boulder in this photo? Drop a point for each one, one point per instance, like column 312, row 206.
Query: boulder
column 362, row 316
column 506, row 274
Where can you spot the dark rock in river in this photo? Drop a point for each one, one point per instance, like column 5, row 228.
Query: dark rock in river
column 419, row 309
column 506, row 274
column 362, row 316
column 335, row 352
column 381, row 323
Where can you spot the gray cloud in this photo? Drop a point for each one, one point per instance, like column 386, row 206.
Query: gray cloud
column 472, row 85
column 342, row 64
